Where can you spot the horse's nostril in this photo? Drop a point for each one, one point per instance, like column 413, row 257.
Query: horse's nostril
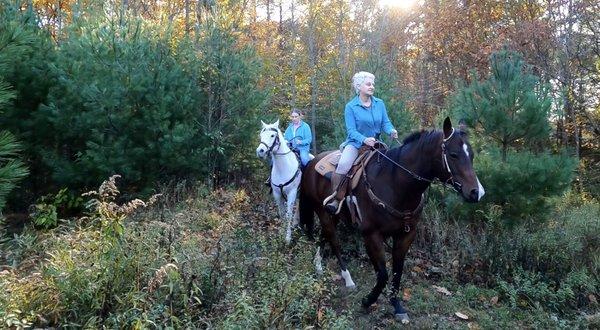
column 475, row 193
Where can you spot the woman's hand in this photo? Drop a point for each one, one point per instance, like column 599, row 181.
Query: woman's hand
column 370, row 141
column 394, row 134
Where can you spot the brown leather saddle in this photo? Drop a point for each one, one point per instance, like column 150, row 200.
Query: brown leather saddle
column 328, row 164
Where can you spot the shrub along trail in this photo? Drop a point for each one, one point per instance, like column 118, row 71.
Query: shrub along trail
column 218, row 260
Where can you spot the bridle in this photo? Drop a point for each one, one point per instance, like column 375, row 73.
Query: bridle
column 276, row 143
column 455, row 184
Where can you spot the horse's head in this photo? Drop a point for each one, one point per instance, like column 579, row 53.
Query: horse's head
column 269, row 139
column 457, row 160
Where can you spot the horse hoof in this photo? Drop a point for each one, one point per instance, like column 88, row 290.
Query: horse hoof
column 366, row 304
column 351, row 287
column 402, row 318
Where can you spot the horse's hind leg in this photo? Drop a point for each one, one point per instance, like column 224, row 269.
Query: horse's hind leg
column 329, row 234
column 401, row 246
column 374, row 247
column 317, row 260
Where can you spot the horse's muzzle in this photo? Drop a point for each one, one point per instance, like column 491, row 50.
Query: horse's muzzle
column 473, row 196
column 260, row 152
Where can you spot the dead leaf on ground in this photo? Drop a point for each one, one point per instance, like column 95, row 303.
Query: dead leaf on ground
column 336, row 277
column 461, row 316
column 406, row 294
column 593, row 318
column 494, row 300
column 417, row 269
column 593, row 299
column 435, row 270
column 441, row 289
column 473, row 326
column 320, row 315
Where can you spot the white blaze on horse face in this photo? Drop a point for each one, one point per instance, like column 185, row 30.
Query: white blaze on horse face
column 480, row 190
column 466, row 149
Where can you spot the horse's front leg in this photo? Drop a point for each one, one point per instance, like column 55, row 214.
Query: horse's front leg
column 401, row 245
column 289, row 214
column 374, row 247
column 280, row 203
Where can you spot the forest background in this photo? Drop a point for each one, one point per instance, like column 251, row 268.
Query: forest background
column 170, row 94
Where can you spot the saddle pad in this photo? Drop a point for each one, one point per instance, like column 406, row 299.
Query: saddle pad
column 328, row 163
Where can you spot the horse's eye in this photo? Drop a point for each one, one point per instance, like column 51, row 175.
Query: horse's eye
column 272, row 135
column 454, row 155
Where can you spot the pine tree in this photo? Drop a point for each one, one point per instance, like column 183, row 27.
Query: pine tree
column 12, row 170
column 510, row 107
column 509, row 111
column 26, row 52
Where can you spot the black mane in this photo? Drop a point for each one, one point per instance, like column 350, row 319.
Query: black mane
column 414, row 137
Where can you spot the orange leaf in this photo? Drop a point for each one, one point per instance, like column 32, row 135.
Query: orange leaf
column 406, row 294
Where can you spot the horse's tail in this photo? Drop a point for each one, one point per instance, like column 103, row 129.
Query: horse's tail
column 306, row 214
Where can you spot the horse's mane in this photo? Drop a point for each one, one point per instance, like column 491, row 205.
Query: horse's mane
column 414, row 136
column 421, row 137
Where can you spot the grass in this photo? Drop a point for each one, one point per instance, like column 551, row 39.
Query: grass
column 217, row 259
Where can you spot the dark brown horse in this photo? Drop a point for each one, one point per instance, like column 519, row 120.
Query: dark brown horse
column 389, row 199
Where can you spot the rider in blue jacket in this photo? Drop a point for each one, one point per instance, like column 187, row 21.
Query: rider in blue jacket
column 299, row 136
column 366, row 118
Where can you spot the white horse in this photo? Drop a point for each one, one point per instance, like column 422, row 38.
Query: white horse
column 285, row 173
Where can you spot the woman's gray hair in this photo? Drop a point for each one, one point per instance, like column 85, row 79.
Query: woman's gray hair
column 359, row 78
column 296, row 111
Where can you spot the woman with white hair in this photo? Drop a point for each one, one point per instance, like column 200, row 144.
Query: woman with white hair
column 365, row 117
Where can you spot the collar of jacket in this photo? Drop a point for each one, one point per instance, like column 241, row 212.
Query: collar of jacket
column 356, row 100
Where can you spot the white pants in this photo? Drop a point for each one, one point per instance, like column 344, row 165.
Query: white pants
column 348, row 157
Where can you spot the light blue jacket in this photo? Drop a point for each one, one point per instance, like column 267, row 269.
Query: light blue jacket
column 300, row 140
column 362, row 122
column 302, row 134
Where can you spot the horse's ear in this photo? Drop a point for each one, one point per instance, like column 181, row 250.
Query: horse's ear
column 277, row 123
column 263, row 124
column 447, row 127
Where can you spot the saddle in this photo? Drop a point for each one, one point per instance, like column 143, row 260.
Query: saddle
column 328, row 164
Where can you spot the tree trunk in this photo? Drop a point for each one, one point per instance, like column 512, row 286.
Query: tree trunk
column 187, row 18
column 294, row 61
column 312, row 60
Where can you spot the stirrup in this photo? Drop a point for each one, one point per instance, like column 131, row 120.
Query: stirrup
column 329, row 207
